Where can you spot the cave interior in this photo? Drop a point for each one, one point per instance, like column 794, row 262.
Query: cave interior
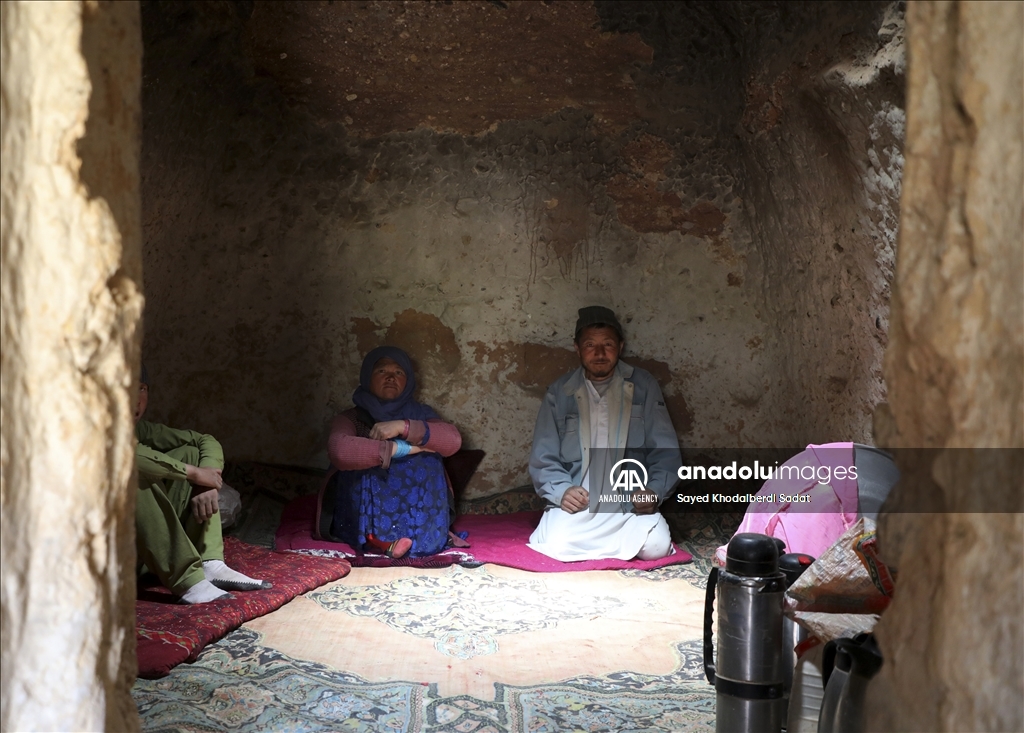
column 255, row 194
column 459, row 178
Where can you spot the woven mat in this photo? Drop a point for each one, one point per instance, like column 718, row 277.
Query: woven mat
column 169, row 633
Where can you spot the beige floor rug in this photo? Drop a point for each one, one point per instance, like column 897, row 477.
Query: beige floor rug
column 456, row 649
column 467, row 629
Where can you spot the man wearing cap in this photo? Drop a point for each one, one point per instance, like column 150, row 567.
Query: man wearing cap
column 177, row 525
column 591, row 419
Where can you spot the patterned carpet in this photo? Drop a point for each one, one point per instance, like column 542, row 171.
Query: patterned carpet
column 475, row 650
column 464, row 611
column 238, row 684
column 241, row 685
column 420, row 650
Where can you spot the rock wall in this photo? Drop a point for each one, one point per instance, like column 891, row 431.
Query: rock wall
column 459, row 179
column 821, row 133
column 955, row 366
column 71, row 268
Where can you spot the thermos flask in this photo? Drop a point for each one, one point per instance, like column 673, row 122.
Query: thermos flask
column 747, row 668
column 847, row 667
column 792, row 565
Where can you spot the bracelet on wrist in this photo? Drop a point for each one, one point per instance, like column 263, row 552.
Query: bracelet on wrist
column 402, row 449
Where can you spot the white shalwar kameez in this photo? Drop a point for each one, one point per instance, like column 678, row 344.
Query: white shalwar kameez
column 611, row 533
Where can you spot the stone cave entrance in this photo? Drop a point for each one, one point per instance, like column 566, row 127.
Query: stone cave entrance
column 302, row 182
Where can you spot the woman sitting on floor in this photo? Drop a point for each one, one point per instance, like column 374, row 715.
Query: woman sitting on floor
column 392, row 493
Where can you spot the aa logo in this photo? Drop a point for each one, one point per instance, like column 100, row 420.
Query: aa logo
column 628, row 479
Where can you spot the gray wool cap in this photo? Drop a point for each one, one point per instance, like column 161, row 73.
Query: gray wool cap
column 597, row 315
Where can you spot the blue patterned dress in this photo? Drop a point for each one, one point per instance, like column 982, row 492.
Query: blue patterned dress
column 409, row 499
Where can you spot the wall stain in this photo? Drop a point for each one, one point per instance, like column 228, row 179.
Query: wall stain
column 642, row 202
column 426, row 339
column 430, row 344
column 565, row 227
column 530, row 366
column 365, row 330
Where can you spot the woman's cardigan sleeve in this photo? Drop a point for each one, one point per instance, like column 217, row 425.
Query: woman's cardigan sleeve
column 437, row 435
column 349, row 452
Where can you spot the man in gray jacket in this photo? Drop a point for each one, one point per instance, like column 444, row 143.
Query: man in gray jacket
column 604, row 454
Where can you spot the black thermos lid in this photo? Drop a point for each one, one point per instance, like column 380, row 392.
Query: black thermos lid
column 793, row 565
column 752, row 555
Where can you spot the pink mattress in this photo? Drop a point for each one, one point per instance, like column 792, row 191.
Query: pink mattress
column 493, row 538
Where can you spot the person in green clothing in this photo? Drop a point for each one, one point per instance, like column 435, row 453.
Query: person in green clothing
column 177, row 524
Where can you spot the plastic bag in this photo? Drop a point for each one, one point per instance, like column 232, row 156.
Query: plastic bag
column 843, row 592
column 847, row 578
column 230, row 505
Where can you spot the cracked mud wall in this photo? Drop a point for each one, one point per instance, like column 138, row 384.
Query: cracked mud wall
column 71, row 269
column 459, row 179
column 955, row 369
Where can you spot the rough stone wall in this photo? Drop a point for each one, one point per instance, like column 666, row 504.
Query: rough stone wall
column 953, row 636
column 70, row 262
column 459, row 179
column 821, row 133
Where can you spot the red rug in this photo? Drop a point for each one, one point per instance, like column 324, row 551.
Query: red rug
column 493, row 538
column 168, row 633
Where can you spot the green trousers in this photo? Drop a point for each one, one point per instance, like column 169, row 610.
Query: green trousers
column 170, row 542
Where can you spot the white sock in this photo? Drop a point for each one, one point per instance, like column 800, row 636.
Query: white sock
column 227, row 579
column 203, row 592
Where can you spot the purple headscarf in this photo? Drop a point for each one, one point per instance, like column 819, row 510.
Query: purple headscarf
column 403, row 407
